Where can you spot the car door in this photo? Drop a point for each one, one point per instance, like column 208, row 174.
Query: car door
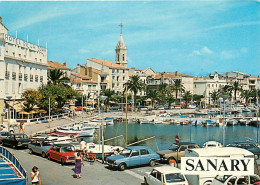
column 134, row 158
column 11, row 141
column 153, row 178
column 53, row 153
column 144, row 157
column 38, row 147
column 181, row 152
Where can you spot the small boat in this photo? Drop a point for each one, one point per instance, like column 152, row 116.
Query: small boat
column 97, row 149
column 185, row 122
column 231, row 122
column 201, row 113
column 254, row 121
column 208, row 122
column 196, row 122
column 79, row 129
column 244, row 121
column 246, row 110
column 12, row 172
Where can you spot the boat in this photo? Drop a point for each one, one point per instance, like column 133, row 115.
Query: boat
column 244, row 121
column 246, row 110
column 79, row 129
column 184, row 122
column 11, row 170
column 97, row 149
column 254, row 121
column 201, row 113
column 231, row 122
column 196, row 122
column 208, row 122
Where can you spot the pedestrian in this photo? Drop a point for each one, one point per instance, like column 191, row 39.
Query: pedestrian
column 23, row 127
column 82, row 145
column 35, row 175
column 78, row 163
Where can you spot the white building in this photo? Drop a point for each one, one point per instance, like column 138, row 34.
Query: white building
column 23, row 65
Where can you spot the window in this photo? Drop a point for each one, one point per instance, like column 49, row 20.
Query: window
column 135, row 153
column 144, row 152
column 14, row 75
column 195, row 86
column 41, row 79
column 123, row 58
column 25, row 77
column 31, row 78
column 182, row 148
column 123, row 71
column 36, row 78
column 20, row 76
column 7, row 75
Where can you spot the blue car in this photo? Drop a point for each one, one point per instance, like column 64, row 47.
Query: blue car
column 39, row 147
column 133, row 156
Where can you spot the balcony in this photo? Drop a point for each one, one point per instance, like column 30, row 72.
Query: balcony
column 7, row 75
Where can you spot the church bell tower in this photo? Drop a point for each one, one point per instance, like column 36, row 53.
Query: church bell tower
column 121, row 50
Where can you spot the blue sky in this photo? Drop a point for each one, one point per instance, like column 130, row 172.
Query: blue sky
column 196, row 38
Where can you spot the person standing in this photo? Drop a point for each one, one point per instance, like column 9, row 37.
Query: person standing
column 82, row 145
column 78, row 163
column 35, row 176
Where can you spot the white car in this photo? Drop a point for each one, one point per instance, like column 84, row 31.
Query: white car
column 236, row 180
column 212, row 144
column 165, row 175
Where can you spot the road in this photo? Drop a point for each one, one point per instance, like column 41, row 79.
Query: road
column 54, row 173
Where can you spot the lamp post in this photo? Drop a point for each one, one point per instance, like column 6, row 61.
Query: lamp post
column 9, row 114
column 225, row 97
column 102, row 98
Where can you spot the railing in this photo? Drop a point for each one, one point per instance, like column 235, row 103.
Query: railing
column 8, row 155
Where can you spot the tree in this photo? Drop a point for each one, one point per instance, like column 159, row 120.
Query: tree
column 246, row 95
column 109, row 97
column 32, row 98
column 235, row 87
column 135, row 85
column 187, row 96
column 178, row 87
column 226, row 89
column 215, row 97
column 55, row 76
column 153, row 95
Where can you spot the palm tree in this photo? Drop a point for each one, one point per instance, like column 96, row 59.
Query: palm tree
column 178, row 87
column 109, row 96
column 187, row 96
column 55, row 76
column 163, row 88
column 135, row 85
column 235, row 87
column 226, row 89
column 246, row 95
column 153, row 95
column 215, row 97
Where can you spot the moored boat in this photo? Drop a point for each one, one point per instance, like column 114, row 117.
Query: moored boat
column 231, row 122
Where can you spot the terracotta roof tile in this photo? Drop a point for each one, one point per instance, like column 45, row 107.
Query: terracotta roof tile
column 107, row 63
column 84, row 77
column 82, row 81
column 98, row 71
column 57, row 65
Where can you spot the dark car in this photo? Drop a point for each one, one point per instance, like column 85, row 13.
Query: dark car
column 250, row 146
column 3, row 135
column 176, row 151
column 16, row 140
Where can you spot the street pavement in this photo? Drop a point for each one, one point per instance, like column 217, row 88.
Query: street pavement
column 96, row 173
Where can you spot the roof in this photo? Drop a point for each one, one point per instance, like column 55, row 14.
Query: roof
column 221, row 152
column 98, row 71
column 107, row 63
column 166, row 75
column 121, row 43
column 82, row 81
column 167, row 169
column 84, row 77
column 57, row 65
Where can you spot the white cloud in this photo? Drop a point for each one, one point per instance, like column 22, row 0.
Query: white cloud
column 231, row 54
column 234, row 24
column 206, row 50
column 203, row 51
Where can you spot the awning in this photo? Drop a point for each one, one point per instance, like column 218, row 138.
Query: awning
column 17, row 105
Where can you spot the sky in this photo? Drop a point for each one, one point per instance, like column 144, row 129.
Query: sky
column 192, row 37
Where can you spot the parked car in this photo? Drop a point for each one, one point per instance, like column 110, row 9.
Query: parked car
column 63, row 153
column 165, row 175
column 16, row 140
column 4, row 128
column 3, row 135
column 250, row 146
column 39, row 147
column 236, row 180
column 133, row 156
column 212, row 144
column 176, row 151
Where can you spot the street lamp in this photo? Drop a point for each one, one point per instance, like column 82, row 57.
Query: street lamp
column 225, row 97
column 9, row 114
column 102, row 98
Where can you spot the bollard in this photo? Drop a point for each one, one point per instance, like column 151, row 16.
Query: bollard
column 172, row 163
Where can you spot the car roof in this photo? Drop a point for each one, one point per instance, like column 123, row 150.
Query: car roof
column 243, row 142
column 16, row 134
column 185, row 143
column 62, row 144
column 137, row 147
column 167, row 169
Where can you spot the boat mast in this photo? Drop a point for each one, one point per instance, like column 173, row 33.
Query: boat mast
column 126, row 116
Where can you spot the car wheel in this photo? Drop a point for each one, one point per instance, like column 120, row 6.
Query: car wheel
column 207, row 183
column 62, row 161
column 171, row 158
column 152, row 163
column 43, row 154
column 14, row 146
column 30, row 151
column 122, row 167
column 145, row 182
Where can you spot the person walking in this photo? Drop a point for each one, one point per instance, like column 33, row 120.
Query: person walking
column 35, row 176
column 78, row 163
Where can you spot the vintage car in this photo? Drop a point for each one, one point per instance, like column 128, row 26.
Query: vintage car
column 39, row 147
column 16, row 140
column 133, row 156
column 250, row 146
column 176, row 151
column 165, row 175
column 236, row 180
column 3, row 135
column 63, row 153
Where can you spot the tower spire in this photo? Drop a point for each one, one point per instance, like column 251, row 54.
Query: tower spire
column 121, row 25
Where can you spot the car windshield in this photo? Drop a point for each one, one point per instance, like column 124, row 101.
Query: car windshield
column 126, row 152
column 173, row 147
column 222, row 178
column 67, row 149
column 46, row 144
column 21, row 136
column 174, row 177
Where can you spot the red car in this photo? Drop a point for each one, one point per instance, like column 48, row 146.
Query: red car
column 63, row 153
column 78, row 108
